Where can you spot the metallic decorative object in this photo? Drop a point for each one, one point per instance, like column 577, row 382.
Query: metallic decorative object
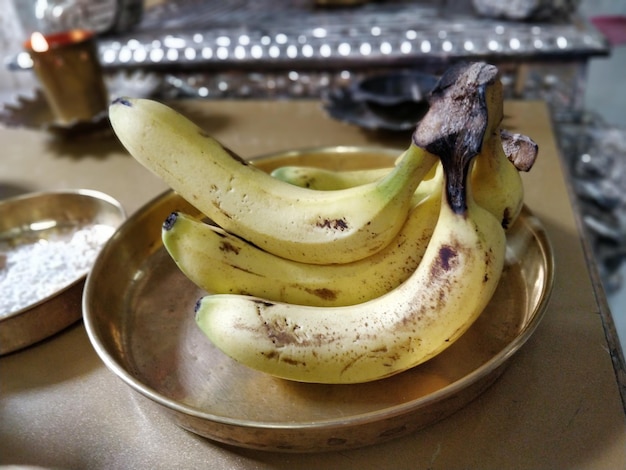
column 265, row 34
column 138, row 313
column 596, row 156
column 32, row 111
column 295, row 49
column 522, row 10
column 37, row 218
column 390, row 89
column 559, row 84
column 393, row 101
column 69, row 71
column 97, row 16
column 340, row 105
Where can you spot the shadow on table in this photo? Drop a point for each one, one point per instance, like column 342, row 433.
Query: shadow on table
column 63, row 356
column 104, row 142
column 9, row 190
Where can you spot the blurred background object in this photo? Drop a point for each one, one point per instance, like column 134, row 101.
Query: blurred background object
column 97, row 16
column 67, row 67
column 300, row 49
column 522, row 10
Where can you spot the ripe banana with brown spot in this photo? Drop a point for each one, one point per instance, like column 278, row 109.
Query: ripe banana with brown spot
column 410, row 324
column 220, row 262
column 295, row 223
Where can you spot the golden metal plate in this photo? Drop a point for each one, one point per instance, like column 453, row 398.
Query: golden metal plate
column 138, row 311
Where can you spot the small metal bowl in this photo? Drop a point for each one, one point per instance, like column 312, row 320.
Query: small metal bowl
column 43, row 297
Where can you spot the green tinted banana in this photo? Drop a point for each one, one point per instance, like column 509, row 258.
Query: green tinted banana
column 497, row 184
column 451, row 286
column 220, row 262
column 295, row 223
column 323, row 179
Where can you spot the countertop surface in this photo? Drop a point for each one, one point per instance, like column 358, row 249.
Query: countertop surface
column 558, row 404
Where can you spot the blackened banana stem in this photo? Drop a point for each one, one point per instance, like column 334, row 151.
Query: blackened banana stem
column 455, row 126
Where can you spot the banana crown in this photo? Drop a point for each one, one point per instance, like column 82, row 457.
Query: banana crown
column 455, row 127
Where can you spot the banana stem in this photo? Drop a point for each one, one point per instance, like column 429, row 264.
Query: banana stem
column 415, row 163
column 455, row 126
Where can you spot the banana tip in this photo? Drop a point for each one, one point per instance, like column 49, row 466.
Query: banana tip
column 170, row 221
column 197, row 306
column 122, row 100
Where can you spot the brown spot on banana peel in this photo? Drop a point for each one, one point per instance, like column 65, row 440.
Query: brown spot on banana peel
column 283, row 333
column 489, row 255
column 218, row 206
column 234, row 155
column 447, row 260
column 228, row 247
column 333, row 224
column 280, row 356
column 506, row 218
column 323, row 293
column 247, row 271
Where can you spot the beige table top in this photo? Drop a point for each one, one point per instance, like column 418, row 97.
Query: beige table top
column 557, row 406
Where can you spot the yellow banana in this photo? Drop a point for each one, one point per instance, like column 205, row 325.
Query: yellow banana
column 415, row 321
column 295, row 223
column 220, row 262
column 497, row 184
column 372, row 340
column 519, row 149
column 323, row 179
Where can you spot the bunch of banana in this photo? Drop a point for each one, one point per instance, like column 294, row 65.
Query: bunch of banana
column 458, row 273
column 220, row 262
column 301, row 224
column 364, row 279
